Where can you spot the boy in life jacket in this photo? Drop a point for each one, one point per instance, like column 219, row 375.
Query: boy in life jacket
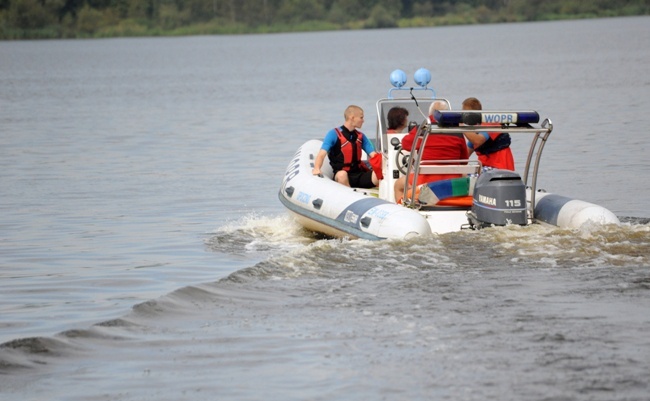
column 491, row 148
column 343, row 145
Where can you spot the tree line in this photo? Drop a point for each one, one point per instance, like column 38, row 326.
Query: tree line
column 32, row 19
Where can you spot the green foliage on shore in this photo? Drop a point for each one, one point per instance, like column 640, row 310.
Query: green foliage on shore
column 40, row 19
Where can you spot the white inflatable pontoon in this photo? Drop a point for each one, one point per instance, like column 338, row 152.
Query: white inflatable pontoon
column 482, row 197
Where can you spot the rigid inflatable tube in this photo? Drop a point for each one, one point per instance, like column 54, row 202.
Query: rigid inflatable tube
column 327, row 206
column 565, row 212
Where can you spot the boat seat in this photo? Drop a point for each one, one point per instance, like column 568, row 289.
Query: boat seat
column 451, row 169
column 446, row 167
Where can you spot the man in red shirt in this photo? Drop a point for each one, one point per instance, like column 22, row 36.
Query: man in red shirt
column 437, row 147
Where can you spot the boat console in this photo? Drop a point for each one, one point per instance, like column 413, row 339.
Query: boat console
column 404, row 162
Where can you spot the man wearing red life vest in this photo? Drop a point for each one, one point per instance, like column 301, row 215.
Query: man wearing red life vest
column 491, row 148
column 343, row 145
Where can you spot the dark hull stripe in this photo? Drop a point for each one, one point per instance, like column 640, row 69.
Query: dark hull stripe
column 351, row 228
column 548, row 208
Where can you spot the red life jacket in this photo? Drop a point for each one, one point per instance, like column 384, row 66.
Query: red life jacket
column 495, row 152
column 350, row 151
column 496, row 142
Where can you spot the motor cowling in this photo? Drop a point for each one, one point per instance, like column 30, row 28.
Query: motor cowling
column 499, row 199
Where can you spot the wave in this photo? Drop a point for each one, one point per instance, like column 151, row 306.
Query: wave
column 32, row 352
column 295, row 251
column 300, row 265
column 259, row 233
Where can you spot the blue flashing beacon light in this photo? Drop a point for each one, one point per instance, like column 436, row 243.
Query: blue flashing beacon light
column 452, row 118
column 422, row 77
column 398, row 78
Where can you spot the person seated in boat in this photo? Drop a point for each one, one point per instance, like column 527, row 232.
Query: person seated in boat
column 491, row 148
column 450, row 146
column 343, row 145
column 397, row 118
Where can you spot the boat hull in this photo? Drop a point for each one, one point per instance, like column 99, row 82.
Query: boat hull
column 323, row 205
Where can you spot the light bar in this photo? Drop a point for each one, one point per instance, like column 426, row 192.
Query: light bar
column 422, row 77
column 451, row 118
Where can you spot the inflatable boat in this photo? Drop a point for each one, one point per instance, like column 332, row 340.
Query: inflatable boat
column 479, row 197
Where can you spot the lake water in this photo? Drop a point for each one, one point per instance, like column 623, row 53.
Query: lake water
column 144, row 254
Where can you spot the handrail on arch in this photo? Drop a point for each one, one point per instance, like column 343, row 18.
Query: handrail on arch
column 531, row 169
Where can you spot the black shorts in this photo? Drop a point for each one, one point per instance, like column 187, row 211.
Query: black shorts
column 360, row 179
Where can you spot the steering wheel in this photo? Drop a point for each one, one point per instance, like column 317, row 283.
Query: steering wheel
column 402, row 159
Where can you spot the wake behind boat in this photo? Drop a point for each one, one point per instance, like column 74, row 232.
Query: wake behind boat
column 480, row 197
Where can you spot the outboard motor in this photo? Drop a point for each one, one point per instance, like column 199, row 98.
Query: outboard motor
column 499, row 199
